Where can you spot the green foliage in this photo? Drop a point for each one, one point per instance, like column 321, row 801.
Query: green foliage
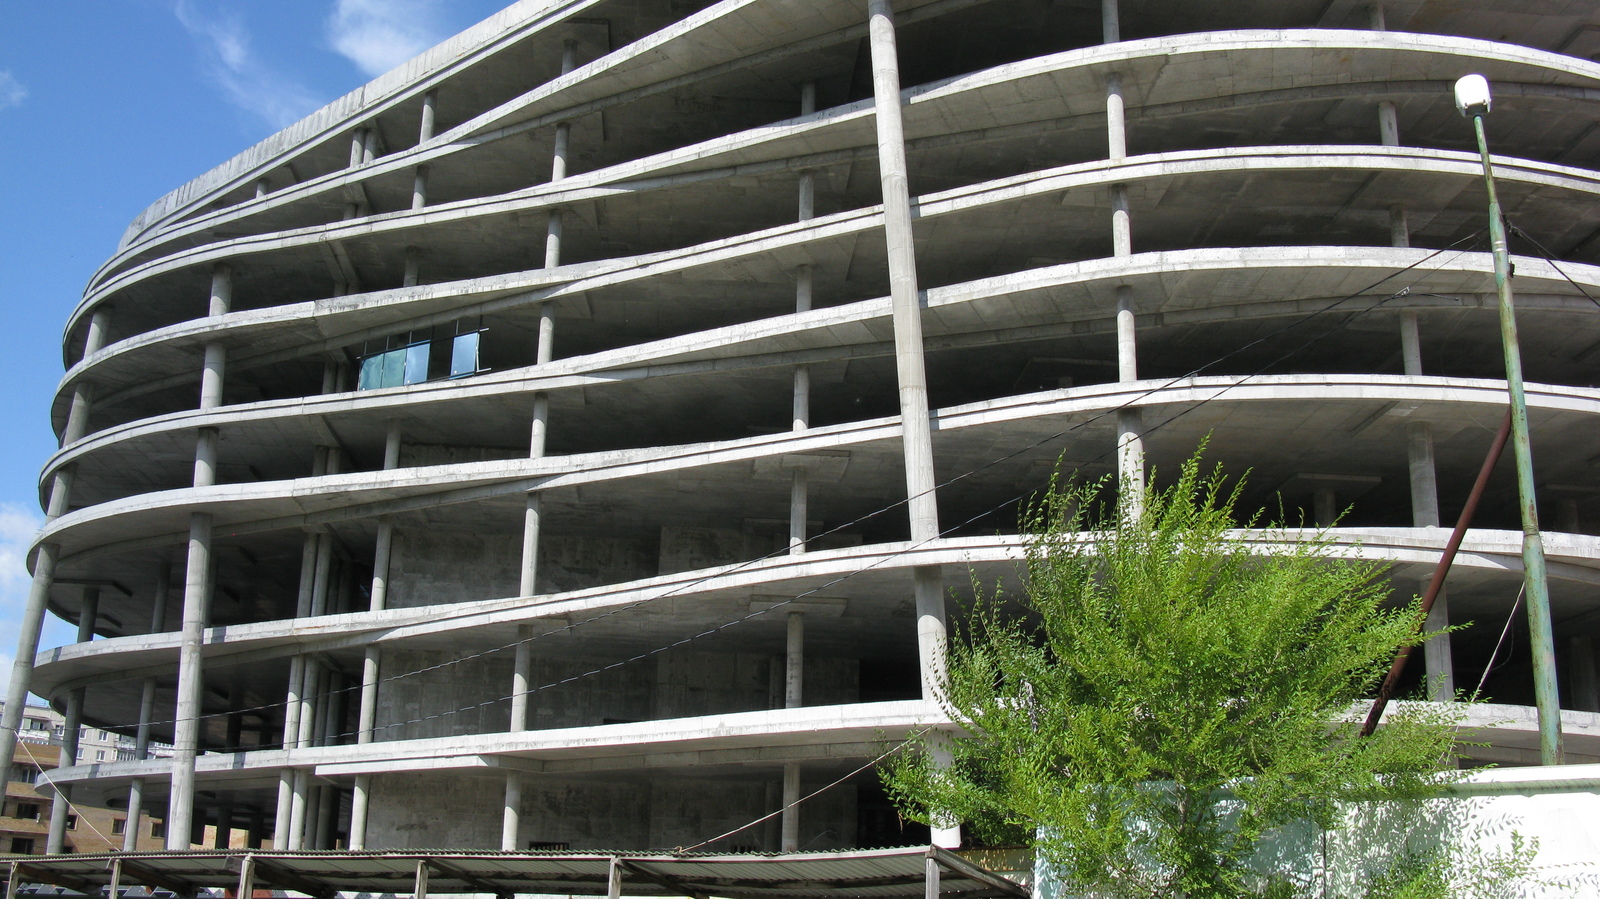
column 1169, row 693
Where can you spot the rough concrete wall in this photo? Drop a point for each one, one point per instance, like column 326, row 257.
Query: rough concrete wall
column 434, row 567
column 706, row 683
column 636, row 812
column 688, row 549
column 576, row 563
column 619, row 695
column 679, row 683
column 411, row 811
column 465, row 698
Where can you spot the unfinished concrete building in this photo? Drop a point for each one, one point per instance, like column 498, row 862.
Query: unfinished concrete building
column 571, row 438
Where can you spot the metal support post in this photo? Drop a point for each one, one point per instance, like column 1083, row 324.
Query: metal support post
column 1547, row 694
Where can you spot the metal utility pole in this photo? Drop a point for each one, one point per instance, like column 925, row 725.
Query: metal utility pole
column 1473, row 101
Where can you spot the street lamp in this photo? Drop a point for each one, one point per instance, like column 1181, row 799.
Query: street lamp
column 1473, row 101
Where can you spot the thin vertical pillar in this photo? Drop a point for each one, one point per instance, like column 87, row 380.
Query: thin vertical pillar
column 1130, row 425
column 99, row 330
column 1110, row 22
column 793, row 698
column 141, row 751
column 78, row 413
column 411, row 275
column 915, row 417
column 790, row 839
column 61, row 805
column 511, row 813
column 44, row 570
column 1425, row 514
column 799, row 489
column 186, row 741
column 371, row 664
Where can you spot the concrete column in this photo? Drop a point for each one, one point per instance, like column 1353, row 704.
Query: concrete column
column 358, row 147
column 221, row 302
column 1425, row 514
column 799, row 504
column 44, row 569
column 532, row 517
column 429, row 103
column 78, row 413
column 297, row 808
column 558, row 166
column 521, row 679
column 1116, row 120
column 1585, row 686
column 794, row 661
column 1388, row 124
column 216, row 358
column 263, row 187
column 186, row 742
column 906, row 305
column 1130, row 442
column 1375, row 18
column 799, row 489
column 360, row 799
column 147, row 710
column 511, row 813
column 61, row 805
column 1121, row 223
column 1324, row 506
column 917, row 434
column 319, row 585
column 99, row 331
column 326, row 803
column 419, row 187
column 411, row 275
column 211, row 376
column 1110, row 22
column 789, row 840
column 88, row 614
column 205, row 457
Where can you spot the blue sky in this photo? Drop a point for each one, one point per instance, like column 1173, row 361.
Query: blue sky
column 105, row 105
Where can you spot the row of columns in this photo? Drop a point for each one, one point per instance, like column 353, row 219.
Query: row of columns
column 300, row 727
column 533, row 509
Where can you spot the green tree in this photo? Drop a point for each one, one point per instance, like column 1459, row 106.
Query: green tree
column 1170, row 691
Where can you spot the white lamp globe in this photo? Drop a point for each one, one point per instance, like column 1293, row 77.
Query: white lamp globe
column 1472, row 91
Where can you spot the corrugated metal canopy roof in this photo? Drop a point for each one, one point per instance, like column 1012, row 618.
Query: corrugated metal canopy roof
column 865, row 873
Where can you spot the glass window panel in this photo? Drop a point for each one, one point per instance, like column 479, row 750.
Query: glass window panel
column 371, row 367
column 417, row 363
column 394, row 369
column 464, row 355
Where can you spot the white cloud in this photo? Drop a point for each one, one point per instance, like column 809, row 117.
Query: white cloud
column 12, row 93
column 246, row 82
column 378, row 35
